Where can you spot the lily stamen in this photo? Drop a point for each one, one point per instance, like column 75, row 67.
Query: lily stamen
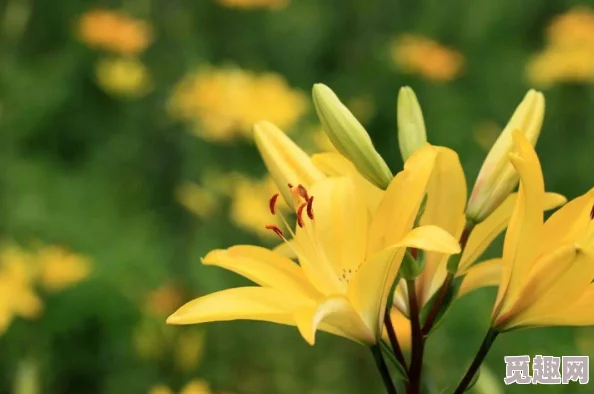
column 310, row 213
column 276, row 230
column 300, row 215
column 272, row 203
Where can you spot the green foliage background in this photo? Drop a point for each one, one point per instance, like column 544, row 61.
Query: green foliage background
column 98, row 174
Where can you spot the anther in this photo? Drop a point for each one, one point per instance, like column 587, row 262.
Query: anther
column 276, row 230
column 300, row 214
column 592, row 213
column 303, row 192
column 310, row 213
column 272, row 203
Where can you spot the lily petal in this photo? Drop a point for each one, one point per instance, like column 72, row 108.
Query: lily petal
column 486, row 273
column 446, row 199
column 335, row 311
column 525, row 227
column 568, row 224
column 398, row 209
column 578, row 313
column 369, row 287
column 431, row 238
column 485, row 232
column 340, row 224
column 336, row 165
column 286, row 162
column 241, row 303
column 557, row 280
column 264, row 267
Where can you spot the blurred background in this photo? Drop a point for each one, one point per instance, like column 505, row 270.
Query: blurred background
column 126, row 155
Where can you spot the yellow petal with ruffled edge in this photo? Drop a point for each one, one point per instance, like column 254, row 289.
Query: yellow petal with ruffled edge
column 485, row 232
column 525, row 228
column 241, row 303
column 335, row 311
column 398, row 208
column 264, row 267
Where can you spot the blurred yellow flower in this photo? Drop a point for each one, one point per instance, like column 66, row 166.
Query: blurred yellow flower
column 225, row 103
column 196, row 386
column 52, row 267
column 114, row 31
column 427, row 58
column 573, row 28
column 59, row 268
column 569, row 53
column 272, row 4
column 249, row 208
column 123, row 77
column 164, row 300
column 160, row 389
column 201, row 201
column 17, row 293
column 189, row 349
column 555, row 65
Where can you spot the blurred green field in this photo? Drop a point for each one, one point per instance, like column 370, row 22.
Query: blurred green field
column 126, row 151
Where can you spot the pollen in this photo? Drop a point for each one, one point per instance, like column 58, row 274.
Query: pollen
column 346, row 274
column 276, row 230
column 272, row 203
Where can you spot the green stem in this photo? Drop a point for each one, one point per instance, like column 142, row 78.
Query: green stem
column 418, row 343
column 383, row 369
column 394, row 339
column 478, row 360
column 445, row 286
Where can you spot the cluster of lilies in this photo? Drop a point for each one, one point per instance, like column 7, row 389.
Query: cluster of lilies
column 378, row 258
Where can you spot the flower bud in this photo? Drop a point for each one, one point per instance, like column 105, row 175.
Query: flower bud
column 286, row 162
column 411, row 268
column 411, row 126
column 497, row 177
column 349, row 137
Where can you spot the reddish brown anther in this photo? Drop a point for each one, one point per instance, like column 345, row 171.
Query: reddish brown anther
column 592, row 213
column 272, row 203
column 300, row 214
column 275, row 229
column 303, row 192
column 310, row 213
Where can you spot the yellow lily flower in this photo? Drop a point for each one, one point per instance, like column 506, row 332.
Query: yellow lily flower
column 348, row 260
column 548, row 268
column 445, row 208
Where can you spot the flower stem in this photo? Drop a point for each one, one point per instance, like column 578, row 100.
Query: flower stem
column 445, row 286
column 478, row 360
column 394, row 339
column 383, row 369
column 418, row 343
